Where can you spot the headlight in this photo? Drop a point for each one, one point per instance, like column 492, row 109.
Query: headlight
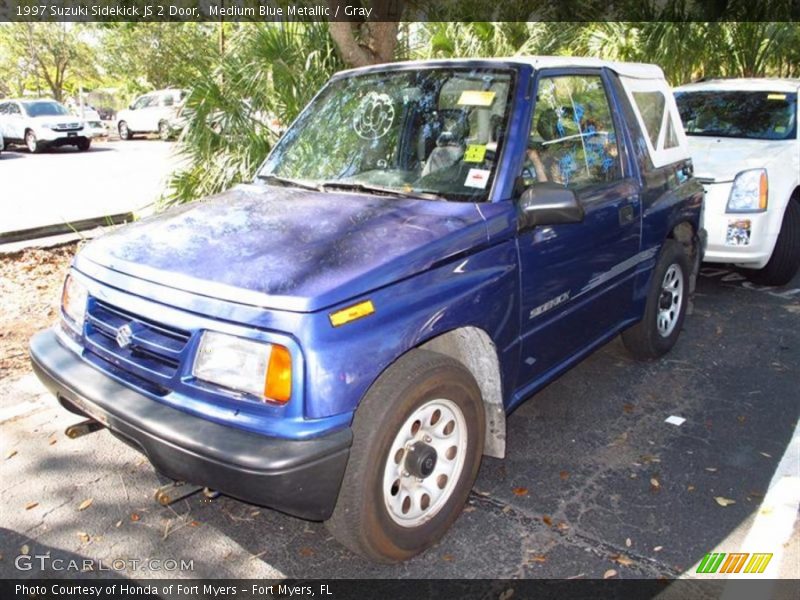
column 258, row 368
column 749, row 192
column 73, row 301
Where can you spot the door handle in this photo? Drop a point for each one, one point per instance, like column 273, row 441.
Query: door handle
column 626, row 214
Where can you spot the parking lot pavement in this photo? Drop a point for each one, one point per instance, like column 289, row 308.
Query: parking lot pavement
column 595, row 479
column 63, row 185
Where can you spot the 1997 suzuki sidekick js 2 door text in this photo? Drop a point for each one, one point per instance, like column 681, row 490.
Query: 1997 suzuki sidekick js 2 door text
column 427, row 246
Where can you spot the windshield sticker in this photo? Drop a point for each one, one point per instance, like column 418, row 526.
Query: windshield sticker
column 475, row 153
column 374, row 116
column 476, row 98
column 776, row 97
column 477, row 178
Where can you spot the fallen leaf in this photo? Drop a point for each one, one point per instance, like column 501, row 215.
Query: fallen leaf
column 507, row 509
column 469, row 509
column 547, row 521
column 564, row 475
column 539, row 558
column 86, row 504
column 741, row 418
column 484, row 494
column 85, row 538
column 655, row 483
column 622, row 560
column 628, row 408
column 306, row 551
column 31, row 505
column 711, row 469
column 255, row 513
column 609, row 574
column 765, row 454
column 135, row 517
column 520, row 491
column 194, row 524
column 722, row 501
column 506, row 594
column 562, row 526
column 628, row 542
column 53, row 441
column 448, row 557
column 658, row 548
column 11, row 454
column 118, row 524
column 25, row 549
column 689, row 488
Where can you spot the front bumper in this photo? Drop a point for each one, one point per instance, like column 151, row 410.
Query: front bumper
column 298, row 477
column 746, row 239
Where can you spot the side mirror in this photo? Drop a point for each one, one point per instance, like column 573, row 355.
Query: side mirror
column 130, row 107
column 548, row 204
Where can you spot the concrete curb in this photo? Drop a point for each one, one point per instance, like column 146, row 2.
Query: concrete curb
column 63, row 228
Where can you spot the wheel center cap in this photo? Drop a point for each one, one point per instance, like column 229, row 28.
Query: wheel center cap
column 421, row 460
column 666, row 299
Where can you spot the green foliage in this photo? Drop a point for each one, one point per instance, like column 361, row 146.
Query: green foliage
column 46, row 59
column 270, row 73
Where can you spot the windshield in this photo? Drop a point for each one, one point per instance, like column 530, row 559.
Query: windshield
column 435, row 131
column 751, row 115
column 45, row 109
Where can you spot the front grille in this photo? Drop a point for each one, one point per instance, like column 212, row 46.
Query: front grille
column 68, row 127
column 151, row 349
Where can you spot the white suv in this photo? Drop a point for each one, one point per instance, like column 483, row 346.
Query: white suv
column 743, row 136
column 40, row 124
column 152, row 113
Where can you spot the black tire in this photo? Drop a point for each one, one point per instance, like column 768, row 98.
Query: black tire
column 163, row 131
column 84, row 144
column 785, row 260
column 124, row 132
column 34, row 146
column 361, row 520
column 647, row 340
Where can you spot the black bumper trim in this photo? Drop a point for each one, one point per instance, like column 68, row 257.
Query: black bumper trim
column 299, row 477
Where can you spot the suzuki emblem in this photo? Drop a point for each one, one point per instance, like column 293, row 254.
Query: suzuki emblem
column 124, row 336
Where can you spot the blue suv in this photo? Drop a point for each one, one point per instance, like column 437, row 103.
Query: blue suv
column 427, row 246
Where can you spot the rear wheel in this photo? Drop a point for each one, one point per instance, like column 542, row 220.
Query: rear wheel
column 124, row 132
column 785, row 260
column 417, row 446
column 32, row 143
column 657, row 332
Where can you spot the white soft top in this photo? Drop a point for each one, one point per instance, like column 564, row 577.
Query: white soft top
column 763, row 84
column 628, row 69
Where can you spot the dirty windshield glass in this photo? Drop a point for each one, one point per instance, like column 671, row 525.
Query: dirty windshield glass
column 427, row 132
column 753, row 115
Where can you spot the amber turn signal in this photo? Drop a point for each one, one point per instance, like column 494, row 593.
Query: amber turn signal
column 278, row 386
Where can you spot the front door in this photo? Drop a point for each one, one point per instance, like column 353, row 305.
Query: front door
column 576, row 279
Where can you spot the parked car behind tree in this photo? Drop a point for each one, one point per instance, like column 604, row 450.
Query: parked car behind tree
column 152, row 113
column 40, row 124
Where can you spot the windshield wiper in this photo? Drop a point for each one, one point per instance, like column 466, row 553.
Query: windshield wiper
column 290, row 182
column 377, row 189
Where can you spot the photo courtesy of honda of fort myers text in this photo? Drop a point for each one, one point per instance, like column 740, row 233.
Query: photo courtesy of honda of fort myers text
column 311, row 299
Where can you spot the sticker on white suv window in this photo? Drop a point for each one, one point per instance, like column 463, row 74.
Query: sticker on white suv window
column 477, row 178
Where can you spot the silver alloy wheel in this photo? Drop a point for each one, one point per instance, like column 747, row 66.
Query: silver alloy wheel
column 30, row 141
column 425, row 462
column 123, row 130
column 670, row 300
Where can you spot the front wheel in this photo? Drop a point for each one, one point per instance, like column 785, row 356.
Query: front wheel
column 657, row 332
column 785, row 260
column 417, row 446
column 163, row 131
column 84, row 144
column 32, row 143
column 124, row 132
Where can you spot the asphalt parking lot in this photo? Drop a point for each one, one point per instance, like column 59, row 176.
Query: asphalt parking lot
column 596, row 483
column 62, row 185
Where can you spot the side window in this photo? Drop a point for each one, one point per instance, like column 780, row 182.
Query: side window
column 573, row 141
column 4, row 108
column 167, row 100
column 652, row 108
column 13, row 109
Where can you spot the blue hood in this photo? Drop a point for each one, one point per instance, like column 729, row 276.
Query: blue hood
column 290, row 249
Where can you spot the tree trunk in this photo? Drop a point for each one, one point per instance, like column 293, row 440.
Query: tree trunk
column 366, row 42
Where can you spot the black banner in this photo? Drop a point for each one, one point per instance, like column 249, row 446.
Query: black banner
column 398, row 10
column 403, row 589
